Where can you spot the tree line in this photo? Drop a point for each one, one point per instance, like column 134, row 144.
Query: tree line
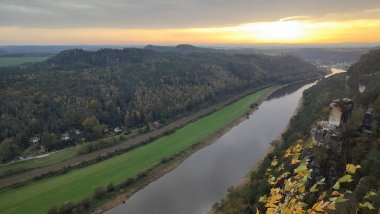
column 93, row 91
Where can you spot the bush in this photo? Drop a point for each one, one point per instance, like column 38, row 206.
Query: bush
column 99, row 193
column 53, row 210
column 86, row 203
column 67, row 207
column 110, row 187
column 164, row 160
column 127, row 182
column 142, row 174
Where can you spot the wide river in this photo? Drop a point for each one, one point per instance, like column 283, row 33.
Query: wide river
column 203, row 178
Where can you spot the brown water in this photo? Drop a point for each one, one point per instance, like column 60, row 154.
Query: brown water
column 203, row 178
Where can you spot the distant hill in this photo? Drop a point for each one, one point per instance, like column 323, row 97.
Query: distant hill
column 21, row 50
column 93, row 90
column 182, row 48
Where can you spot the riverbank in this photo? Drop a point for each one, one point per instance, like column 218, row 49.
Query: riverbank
column 163, row 168
column 245, row 182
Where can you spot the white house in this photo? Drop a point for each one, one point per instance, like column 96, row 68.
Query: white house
column 35, row 139
column 65, row 137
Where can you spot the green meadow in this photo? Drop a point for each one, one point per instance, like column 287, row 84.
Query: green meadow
column 17, row 60
column 37, row 163
column 52, row 159
column 75, row 185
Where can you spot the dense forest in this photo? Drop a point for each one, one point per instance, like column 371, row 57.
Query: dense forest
column 93, row 91
column 302, row 176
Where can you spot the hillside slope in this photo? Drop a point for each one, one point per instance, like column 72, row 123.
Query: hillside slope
column 336, row 172
column 94, row 91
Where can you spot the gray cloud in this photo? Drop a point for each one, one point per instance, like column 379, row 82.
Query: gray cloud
column 166, row 13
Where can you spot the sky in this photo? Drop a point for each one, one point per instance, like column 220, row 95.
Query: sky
column 116, row 22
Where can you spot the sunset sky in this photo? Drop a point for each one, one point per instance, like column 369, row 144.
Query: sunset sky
column 188, row 21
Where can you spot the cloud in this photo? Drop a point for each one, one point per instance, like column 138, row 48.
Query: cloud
column 156, row 14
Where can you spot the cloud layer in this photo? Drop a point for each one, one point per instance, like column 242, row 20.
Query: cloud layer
column 158, row 14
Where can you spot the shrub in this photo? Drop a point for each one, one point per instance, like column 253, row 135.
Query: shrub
column 67, row 207
column 110, row 187
column 99, row 193
column 127, row 182
column 53, row 210
column 86, row 203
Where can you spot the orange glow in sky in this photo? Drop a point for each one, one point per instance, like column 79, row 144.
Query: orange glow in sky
column 285, row 31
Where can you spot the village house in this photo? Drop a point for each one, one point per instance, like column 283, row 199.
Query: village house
column 35, row 139
column 65, row 137
column 117, row 130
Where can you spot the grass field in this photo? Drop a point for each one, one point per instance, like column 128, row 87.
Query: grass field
column 51, row 159
column 37, row 163
column 38, row 197
column 16, row 60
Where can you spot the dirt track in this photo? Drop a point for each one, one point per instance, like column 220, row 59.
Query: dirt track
column 25, row 176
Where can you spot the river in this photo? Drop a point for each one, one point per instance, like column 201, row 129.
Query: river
column 204, row 178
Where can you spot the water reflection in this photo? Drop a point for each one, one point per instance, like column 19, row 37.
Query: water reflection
column 289, row 89
column 204, row 177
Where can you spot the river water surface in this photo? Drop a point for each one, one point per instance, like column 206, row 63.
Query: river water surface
column 203, row 178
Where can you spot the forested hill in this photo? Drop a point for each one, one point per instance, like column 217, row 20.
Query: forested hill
column 91, row 91
column 337, row 171
column 183, row 48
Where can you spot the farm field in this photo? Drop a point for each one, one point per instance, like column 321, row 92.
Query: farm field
column 17, row 60
column 77, row 184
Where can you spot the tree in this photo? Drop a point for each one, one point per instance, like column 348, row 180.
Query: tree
column 8, row 150
column 90, row 122
column 49, row 140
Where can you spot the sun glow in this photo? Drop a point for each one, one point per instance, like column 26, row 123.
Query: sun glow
column 283, row 31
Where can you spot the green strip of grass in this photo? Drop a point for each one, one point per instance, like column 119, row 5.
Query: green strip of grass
column 52, row 159
column 37, row 163
column 38, row 197
column 17, row 60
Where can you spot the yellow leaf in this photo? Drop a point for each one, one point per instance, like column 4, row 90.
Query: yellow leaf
column 370, row 194
column 299, row 209
column 274, row 161
column 322, row 195
column 294, row 161
column 301, row 168
column 314, row 188
column 345, row 179
column 298, row 148
column 321, row 182
column 318, row 207
column 263, row 199
column 301, row 188
column 335, row 193
column 336, row 185
column 271, row 211
column 366, row 205
column 275, row 198
column 351, row 168
column 331, row 206
column 295, row 158
column 288, row 153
